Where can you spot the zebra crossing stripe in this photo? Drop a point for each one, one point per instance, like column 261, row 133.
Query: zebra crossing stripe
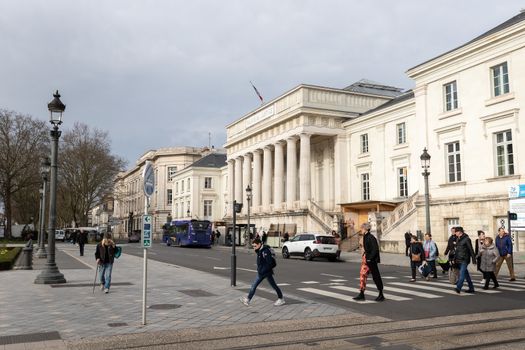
column 310, row 282
column 409, row 292
column 355, row 290
column 334, row 295
column 433, row 289
column 478, row 289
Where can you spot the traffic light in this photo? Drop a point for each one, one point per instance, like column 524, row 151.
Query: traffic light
column 513, row 216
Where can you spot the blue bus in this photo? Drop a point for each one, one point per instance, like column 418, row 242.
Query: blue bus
column 188, row 233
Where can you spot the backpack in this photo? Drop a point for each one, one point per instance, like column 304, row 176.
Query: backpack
column 272, row 253
column 118, row 252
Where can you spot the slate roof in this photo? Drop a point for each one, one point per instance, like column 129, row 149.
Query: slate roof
column 212, row 160
column 366, row 86
column 404, row 97
column 514, row 20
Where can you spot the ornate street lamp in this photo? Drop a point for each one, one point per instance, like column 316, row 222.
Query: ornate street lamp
column 44, row 172
column 51, row 274
column 425, row 164
column 248, row 199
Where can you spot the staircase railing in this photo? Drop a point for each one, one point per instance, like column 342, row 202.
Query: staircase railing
column 321, row 216
column 402, row 211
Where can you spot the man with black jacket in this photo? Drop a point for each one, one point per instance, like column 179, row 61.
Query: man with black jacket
column 464, row 255
column 371, row 255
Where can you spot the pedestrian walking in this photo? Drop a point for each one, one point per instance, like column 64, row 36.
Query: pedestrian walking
column 488, row 255
column 217, row 236
column 82, row 239
column 265, row 266
column 477, row 250
column 464, row 254
column 416, row 255
column 504, row 245
column 408, row 236
column 370, row 258
column 264, row 238
column 105, row 255
column 286, row 237
column 431, row 253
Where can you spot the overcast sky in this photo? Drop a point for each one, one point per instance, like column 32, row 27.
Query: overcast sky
column 166, row 73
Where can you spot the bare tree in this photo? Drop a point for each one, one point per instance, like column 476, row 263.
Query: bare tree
column 23, row 141
column 87, row 170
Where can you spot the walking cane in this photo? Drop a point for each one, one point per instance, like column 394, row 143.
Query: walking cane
column 95, row 281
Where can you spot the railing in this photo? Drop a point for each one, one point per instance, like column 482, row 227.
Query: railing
column 401, row 212
column 320, row 215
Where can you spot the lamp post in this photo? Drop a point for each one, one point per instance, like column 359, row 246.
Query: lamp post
column 51, row 274
column 44, row 171
column 248, row 200
column 237, row 207
column 425, row 164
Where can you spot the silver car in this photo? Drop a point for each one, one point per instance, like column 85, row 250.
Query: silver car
column 60, row 235
column 310, row 246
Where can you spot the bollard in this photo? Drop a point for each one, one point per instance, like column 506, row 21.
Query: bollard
column 25, row 260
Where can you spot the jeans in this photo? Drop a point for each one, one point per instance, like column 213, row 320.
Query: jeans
column 81, row 246
column 104, row 271
column 258, row 280
column 433, row 270
column 463, row 273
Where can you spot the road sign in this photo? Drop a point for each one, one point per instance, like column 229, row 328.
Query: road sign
column 149, row 179
column 145, row 238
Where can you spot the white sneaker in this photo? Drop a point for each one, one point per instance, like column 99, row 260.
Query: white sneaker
column 245, row 301
column 106, row 290
column 279, row 302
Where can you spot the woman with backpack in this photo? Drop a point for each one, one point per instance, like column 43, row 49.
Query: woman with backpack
column 265, row 264
column 105, row 255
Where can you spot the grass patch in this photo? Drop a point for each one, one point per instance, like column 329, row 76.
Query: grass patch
column 8, row 257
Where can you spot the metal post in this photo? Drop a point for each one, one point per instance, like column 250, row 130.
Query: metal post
column 248, row 220
column 145, row 270
column 51, row 274
column 233, row 269
column 427, row 201
column 42, row 246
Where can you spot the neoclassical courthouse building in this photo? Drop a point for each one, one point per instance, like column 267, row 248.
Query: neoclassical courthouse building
column 320, row 158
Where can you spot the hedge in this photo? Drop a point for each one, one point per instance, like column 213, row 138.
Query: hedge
column 8, row 257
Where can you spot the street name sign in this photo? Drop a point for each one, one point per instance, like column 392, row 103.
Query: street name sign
column 145, row 238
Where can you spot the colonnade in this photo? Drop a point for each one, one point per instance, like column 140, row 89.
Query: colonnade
column 273, row 181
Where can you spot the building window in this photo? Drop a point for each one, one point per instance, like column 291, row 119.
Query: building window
column 364, row 143
column 500, row 79
column 451, row 222
column 401, row 133
column 453, row 161
column 207, row 182
column 451, row 96
column 177, row 210
column 169, row 196
column 207, row 208
column 504, row 153
column 182, row 186
column 172, row 170
column 365, row 187
column 188, row 208
column 402, row 182
column 188, row 183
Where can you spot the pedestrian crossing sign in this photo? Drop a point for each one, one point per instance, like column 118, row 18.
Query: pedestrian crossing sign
column 145, row 238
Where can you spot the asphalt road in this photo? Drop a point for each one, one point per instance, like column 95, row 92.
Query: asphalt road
column 337, row 282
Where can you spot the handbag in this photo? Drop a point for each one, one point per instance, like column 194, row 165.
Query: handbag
column 416, row 257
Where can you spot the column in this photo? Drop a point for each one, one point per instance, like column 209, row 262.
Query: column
column 291, row 171
column 231, row 189
column 278, row 176
column 304, row 168
column 238, row 179
column 327, row 185
column 267, row 179
column 246, row 179
column 256, row 182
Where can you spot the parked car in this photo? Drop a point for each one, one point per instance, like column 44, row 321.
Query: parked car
column 310, row 246
column 60, row 235
column 134, row 236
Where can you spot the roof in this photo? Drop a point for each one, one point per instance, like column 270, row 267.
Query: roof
column 365, row 86
column 509, row 23
column 212, row 160
column 401, row 98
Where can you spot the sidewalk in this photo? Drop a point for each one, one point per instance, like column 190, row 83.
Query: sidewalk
column 51, row 315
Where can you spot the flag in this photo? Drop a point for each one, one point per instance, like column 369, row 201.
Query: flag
column 257, row 92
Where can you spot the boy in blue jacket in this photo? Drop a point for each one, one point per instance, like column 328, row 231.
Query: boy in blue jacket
column 264, row 270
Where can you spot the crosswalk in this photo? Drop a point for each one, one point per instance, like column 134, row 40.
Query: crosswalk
column 398, row 289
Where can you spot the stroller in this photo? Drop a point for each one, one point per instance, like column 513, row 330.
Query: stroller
column 444, row 263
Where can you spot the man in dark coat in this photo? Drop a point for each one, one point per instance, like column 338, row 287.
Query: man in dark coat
column 464, row 255
column 82, row 238
column 371, row 254
column 408, row 237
